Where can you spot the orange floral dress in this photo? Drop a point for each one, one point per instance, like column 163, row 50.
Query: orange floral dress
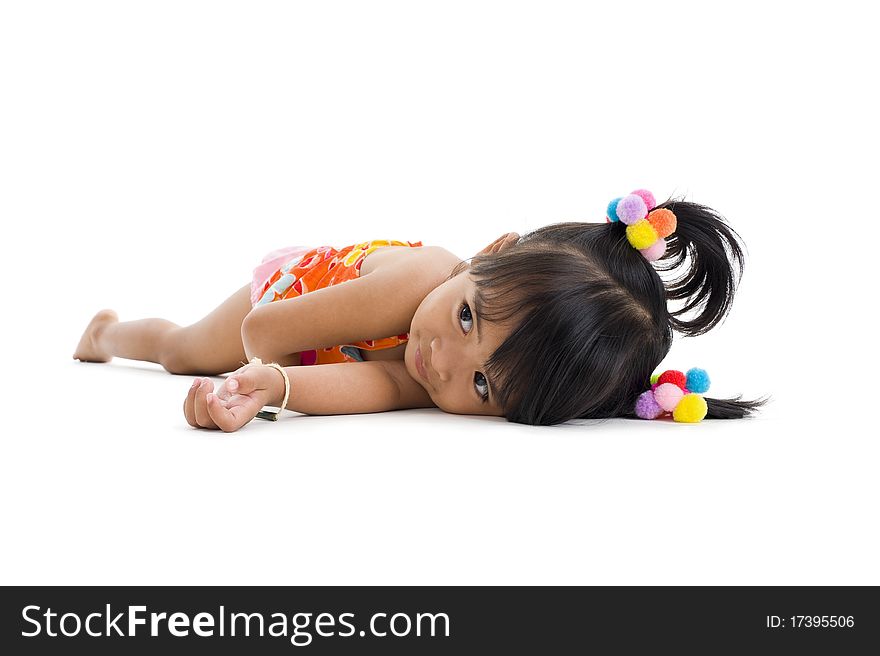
column 300, row 271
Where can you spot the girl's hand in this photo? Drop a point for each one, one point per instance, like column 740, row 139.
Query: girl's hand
column 236, row 402
column 505, row 240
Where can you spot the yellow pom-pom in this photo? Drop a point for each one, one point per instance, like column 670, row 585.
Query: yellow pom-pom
column 654, row 378
column 641, row 234
column 691, row 409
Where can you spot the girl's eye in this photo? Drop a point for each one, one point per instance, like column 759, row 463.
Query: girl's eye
column 481, row 385
column 464, row 317
column 467, row 323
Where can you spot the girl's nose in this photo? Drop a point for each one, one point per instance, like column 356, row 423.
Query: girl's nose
column 441, row 360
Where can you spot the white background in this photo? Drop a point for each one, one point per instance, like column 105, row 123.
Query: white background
column 152, row 153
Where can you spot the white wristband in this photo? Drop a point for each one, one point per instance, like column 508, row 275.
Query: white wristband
column 272, row 415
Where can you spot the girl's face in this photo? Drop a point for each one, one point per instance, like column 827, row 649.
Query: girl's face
column 448, row 347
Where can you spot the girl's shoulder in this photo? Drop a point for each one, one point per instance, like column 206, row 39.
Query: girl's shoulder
column 424, row 258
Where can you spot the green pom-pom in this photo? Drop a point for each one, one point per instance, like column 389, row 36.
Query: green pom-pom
column 654, row 378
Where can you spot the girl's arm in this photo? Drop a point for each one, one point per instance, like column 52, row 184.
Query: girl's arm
column 345, row 388
column 376, row 305
column 351, row 388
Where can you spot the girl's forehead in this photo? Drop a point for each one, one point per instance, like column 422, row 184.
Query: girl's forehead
column 459, row 281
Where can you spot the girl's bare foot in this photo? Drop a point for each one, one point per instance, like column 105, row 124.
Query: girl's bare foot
column 87, row 350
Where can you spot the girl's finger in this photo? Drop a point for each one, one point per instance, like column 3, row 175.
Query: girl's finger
column 203, row 417
column 243, row 382
column 189, row 405
column 222, row 417
column 230, row 387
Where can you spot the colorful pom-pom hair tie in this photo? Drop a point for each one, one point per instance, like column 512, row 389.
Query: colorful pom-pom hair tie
column 675, row 393
column 646, row 227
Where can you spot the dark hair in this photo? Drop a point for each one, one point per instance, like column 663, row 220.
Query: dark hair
column 589, row 315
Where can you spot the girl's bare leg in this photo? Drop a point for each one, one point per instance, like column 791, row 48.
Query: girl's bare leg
column 208, row 347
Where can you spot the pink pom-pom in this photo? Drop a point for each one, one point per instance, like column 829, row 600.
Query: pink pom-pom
column 647, row 407
column 656, row 251
column 631, row 209
column 648, row 197
column 668, row 395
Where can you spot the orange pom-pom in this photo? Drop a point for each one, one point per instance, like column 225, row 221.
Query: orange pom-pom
column 664, row 222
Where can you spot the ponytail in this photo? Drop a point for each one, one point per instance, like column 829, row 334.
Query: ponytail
column 714, row 254
column 732, row 408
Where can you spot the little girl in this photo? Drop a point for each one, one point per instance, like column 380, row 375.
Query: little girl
column 566, row 322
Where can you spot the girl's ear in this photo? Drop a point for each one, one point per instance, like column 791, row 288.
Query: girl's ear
column 504, row 241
